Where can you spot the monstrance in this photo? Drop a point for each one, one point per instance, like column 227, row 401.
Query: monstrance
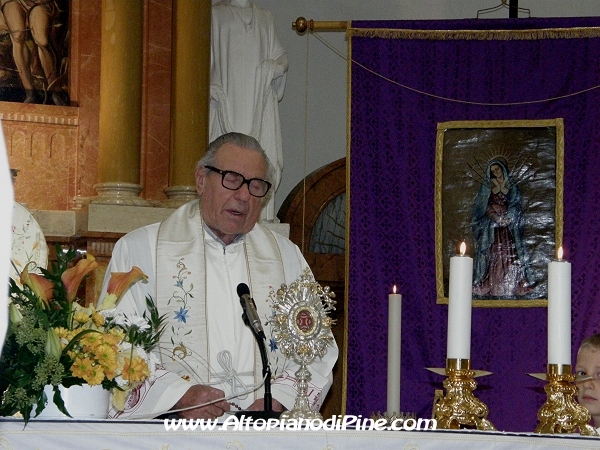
column 302, row 331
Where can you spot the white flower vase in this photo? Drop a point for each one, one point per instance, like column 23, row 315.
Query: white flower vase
column 82, row 402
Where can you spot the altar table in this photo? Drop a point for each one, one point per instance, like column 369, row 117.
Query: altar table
column 110, row 434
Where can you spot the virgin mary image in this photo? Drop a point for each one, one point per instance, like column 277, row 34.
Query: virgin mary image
column 501, row 266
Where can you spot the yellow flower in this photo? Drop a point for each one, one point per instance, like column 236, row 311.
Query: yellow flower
column 62, row 333
column 80, row 367
column 106, row 356
column 70, row 334
column 63, row 336
column 89, row 317
column 81, row 317
column 118, row 284
column 94, row 375
column 112, row 340
column 72, row 277
column 135, row 369
column 98, row 319
column 118, row 332
column 91, row 341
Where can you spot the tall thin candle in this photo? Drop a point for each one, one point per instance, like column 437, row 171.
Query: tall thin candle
column 460, row 299
column 394, row 351
column 559, row 311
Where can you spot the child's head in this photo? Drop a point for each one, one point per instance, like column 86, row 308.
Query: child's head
column 587, row 370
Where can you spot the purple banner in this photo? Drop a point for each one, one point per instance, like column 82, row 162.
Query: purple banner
column 392, row 229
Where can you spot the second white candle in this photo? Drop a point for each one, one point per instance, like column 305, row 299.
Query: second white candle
column 460, row 300
column 394, row 351
column 559, row 311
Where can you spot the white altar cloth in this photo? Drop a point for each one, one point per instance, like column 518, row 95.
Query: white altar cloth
column 112, row 434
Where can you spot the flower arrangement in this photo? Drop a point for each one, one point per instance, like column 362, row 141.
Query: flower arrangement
column 53, row 340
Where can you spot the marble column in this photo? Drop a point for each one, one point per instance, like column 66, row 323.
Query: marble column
column 190, row 91
column 121, row 68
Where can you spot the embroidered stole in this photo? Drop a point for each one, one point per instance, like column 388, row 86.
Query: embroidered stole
column 181, row 282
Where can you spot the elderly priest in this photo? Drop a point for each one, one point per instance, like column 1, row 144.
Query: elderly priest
column 194, row 260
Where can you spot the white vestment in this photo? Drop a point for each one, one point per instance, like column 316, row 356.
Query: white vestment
column 6, row 223
column 247, row 79
column 196, row 287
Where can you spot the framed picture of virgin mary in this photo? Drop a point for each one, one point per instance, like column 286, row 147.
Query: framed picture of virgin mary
column 499, row 189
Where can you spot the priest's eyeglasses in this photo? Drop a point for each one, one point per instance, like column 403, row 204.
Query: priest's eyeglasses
column 233, row 181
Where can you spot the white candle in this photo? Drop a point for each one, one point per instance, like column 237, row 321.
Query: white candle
column 394, row 349
column 460, row 299
column 559, row 311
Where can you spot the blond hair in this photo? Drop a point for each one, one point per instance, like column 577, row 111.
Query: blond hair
column 592, row 342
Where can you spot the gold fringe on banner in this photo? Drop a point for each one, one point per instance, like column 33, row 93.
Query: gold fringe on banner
column 476, row 35
column 351, row 62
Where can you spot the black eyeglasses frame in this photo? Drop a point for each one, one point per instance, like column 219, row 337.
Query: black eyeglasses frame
column 224, row 173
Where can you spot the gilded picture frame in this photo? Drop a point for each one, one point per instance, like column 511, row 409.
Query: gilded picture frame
column 499, row 189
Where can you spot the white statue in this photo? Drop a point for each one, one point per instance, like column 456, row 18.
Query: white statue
column 247, row 79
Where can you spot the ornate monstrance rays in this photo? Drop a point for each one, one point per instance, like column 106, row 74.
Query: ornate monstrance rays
column 302, row 331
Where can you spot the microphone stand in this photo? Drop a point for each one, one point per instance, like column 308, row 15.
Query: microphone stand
column 268, row 412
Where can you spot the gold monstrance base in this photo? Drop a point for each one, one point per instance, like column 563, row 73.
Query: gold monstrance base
column 459, row 407
column 561, row 413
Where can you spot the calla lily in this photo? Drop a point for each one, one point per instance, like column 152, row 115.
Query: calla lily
column 40, row 286
column 118, row 284
column 53, row 347
column 72, row 277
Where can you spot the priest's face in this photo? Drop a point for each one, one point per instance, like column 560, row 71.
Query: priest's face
column 229, row 213
column 588, row 366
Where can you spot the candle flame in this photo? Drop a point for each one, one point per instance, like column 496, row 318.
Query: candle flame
column 394, row 289
column 463, row 249
column 560, row 253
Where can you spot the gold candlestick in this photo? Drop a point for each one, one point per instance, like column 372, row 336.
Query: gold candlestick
column 561, row 413
column 459, row 407
column 392, row 417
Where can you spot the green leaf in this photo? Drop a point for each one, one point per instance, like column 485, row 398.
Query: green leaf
column 76, row 339
column 59, row 402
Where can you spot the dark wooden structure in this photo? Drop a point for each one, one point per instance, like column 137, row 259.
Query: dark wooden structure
column 302, row 209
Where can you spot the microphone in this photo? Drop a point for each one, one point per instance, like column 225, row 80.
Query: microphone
column 251, row 320
column 249, row 308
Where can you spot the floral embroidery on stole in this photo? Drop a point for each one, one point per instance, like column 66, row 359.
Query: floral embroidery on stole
column 181, row 288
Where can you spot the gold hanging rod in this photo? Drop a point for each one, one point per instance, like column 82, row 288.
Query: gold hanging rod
column 301, row 25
